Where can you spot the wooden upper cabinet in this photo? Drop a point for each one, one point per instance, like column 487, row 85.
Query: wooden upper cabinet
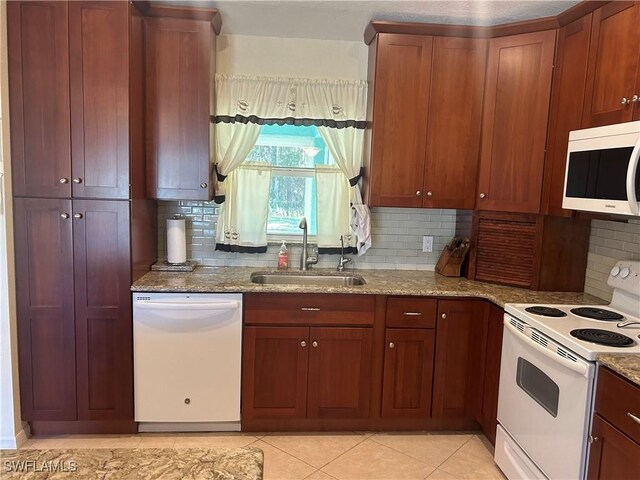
column 102, row 277
column 516, row 108
column 614, row 65
column 44, row 286
column 179, row 65
column 567, row 102
column 99, row 77
column 39, row 98
column 401, row 77
column 453, row 127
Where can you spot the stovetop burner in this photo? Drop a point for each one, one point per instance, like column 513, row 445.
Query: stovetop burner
column 597, row 314
column 602, row 337
column 545, row 311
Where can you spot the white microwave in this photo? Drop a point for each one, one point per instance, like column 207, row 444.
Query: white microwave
column 602, row 172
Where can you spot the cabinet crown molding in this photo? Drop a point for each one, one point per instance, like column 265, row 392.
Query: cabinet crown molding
column 152, row 9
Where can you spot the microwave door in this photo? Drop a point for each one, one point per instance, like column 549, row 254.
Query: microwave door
column 632, row 180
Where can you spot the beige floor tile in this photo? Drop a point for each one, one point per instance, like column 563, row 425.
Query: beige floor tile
column 440, row 474
column 213, row 440
column 279, row 465
column 316, row 449
column 474, row 460
column 29, row 443
column 431, row 449
column 371, row 460
column 320, row 475
column 157, row 441
column 87, row 441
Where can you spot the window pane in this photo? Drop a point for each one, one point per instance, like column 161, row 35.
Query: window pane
column 291, row 198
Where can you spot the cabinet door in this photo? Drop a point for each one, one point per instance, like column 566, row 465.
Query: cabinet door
column 492, row 373
column 39, row 97
column 401, row 100
column 178, row 110
column 274, row 372
column 340, row 372
column 103, row 309
column 613, row 455
column 614, row 60
column 408, row 373
column 567, row 102
column 455, row 116
column 99, row 75
column 44, row 283
column 461, row 334
column 514, row 127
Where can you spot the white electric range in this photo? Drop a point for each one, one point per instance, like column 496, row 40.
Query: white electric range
column 548, row 375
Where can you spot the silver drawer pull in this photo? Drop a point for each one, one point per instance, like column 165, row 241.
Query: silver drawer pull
column 310, row 309
column 412, row 314
column 633, row 417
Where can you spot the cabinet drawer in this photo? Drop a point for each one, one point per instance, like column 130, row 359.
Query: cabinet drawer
column 616, row 398
column 411, row 312
column 308, row 309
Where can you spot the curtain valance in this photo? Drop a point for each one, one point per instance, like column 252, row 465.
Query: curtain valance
column 290, row 101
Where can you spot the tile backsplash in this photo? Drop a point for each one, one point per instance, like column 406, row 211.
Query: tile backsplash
column 609, row 242
column 397, row 238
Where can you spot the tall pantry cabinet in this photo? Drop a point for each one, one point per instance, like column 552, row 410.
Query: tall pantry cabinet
column 84, row 230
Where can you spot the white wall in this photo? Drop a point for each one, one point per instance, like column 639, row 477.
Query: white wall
column 291, row 57
column 11, row 426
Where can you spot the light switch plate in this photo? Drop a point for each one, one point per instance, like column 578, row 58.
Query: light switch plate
column 427, row 243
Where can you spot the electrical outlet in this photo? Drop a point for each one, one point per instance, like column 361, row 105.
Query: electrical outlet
column 427, row 243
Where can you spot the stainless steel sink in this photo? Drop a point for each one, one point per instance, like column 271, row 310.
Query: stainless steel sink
column 329, row 280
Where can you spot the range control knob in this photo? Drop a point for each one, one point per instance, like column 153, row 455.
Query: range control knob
column 615, row 271
column 624, row 272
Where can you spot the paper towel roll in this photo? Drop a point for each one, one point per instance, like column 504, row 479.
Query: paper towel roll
column 176, row 241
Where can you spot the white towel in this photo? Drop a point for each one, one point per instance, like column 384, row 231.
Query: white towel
column 361, row 225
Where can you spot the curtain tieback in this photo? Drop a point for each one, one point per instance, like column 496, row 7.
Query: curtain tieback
column 354, row 181
column 219, row 176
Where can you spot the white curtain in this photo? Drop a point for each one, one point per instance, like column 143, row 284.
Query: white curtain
column 336, row 107
column 242, row 223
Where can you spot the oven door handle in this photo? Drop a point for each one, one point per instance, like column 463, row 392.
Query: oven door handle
column 631, row 179
column 576, row 367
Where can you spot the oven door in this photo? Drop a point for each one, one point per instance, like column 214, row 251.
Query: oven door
column 545, row 400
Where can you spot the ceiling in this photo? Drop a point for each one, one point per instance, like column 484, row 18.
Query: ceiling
column 347, row 19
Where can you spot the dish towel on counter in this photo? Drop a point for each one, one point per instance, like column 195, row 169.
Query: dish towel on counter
column 361, row 226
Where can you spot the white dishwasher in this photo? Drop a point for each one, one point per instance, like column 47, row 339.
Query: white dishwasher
column 187, row 361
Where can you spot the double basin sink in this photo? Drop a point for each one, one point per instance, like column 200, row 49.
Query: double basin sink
column 300, row 278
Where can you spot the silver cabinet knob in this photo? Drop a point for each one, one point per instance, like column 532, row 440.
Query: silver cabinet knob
column 429, row 194
column 418, row 193
column 77, row 180
column 303, row 344
column 625, row 101
column 64, row 180
column 392, row 345
column 64, row 216
column 635, row 98
column 444, row 316
column 77, row 215
column 187, row 400
column 314, row 344
column 203, row 185
column 482, row 195
column 593, row 439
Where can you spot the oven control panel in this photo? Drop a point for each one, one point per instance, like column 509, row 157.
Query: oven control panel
column 625, row 275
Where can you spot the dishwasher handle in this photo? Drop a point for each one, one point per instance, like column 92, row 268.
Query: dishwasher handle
column 155, row 305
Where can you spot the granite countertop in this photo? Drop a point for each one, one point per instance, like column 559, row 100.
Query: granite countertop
column 144, row 463
column 626, row 364
column 379, row 282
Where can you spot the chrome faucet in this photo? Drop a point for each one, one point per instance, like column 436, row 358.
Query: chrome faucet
column 342, row 260
column 305, row 260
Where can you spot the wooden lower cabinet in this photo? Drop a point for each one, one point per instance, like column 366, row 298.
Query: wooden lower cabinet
column 461, row 333
column 74, row 315
column 489, row 412
column 408, row 372
column 302, row 372
column 613, row 456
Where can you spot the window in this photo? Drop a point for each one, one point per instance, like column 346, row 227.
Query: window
column 293, row 151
